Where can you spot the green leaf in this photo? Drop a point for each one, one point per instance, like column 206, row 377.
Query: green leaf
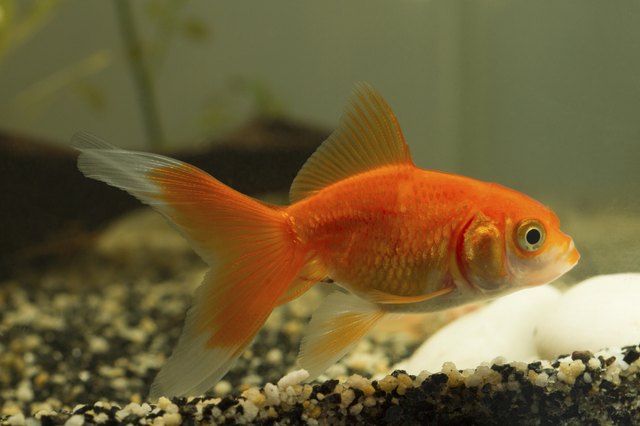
column 195, row 29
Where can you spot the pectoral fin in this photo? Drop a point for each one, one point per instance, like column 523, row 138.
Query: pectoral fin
column 336, row 326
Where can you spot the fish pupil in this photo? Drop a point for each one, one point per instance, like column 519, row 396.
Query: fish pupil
column 533, row 236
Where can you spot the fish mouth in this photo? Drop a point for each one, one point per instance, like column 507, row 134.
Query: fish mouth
column 572, row 256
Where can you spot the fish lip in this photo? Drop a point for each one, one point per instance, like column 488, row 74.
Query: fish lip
column 571, row 254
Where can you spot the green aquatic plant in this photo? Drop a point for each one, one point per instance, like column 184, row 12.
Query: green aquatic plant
column 21, row 19
column 140, row 72
column 218, row 110
column 149, row 29
column 145, row 57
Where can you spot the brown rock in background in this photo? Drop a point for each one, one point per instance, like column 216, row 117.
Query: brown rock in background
column 48, row 208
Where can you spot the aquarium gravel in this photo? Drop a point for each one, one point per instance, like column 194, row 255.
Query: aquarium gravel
column 81, row 339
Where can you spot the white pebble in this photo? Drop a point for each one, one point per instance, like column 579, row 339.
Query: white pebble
column 222, row 388
column 43, row 411
column 503, row 328
column 163, row 403
column 355, row 409
column 137, row 409
column 172, row 408
column 250, row 410
column 98, row 344
column 293, row 378
column 274, row 357
column 24, row 391
column 369, row 361
column 77, row 407
column 135, row 335
column 347, row 397
column 172, row 419
column 574, row 369
column 356, row 381
column 252, row 380
column 101, row 418
column 272, row 394
column 103, row 404
column 120, row 383
column 254, row 395
column 16, row 420
column 600, row 312
column 542, row 379
column 473, row 381
column 336, row 370
column 75, row 420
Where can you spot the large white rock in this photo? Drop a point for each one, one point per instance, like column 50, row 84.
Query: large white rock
column 601, row 312
column 503, row 328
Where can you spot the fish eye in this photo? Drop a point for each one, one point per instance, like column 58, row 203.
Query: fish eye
column 530, row 235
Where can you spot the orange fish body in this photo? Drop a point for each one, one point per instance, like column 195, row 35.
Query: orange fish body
column 397, row 237
column 399, row 230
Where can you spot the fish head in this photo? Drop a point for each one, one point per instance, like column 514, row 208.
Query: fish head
column 514, row 243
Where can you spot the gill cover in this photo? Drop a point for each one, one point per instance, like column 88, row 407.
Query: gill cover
column 482, row 257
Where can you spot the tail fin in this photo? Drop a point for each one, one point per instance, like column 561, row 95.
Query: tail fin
column 257, row 257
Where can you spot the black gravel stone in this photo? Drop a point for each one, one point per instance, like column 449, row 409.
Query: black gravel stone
column 631, row 356
column 358, row 395
column 535, row 366
column 504, row 369
column 583, row 356
column 393, row 415
column 435, row 383
column 379, row 393
column 328, row 386
column 333, row 398
column 226, row 403
column 396, row 373
column 607, row 385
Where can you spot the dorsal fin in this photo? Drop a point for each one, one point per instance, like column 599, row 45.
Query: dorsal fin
column 368, row 137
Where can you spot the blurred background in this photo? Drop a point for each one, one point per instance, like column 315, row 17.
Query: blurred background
column 540, row 96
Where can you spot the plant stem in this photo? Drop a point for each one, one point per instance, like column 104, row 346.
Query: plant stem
column 140, row 74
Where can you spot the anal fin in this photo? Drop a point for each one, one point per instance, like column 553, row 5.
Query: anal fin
column 336, row 326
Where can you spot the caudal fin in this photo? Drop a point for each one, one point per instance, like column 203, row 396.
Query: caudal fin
column 251, row 247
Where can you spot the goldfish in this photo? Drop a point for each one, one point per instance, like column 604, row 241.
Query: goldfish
column 395, row 238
